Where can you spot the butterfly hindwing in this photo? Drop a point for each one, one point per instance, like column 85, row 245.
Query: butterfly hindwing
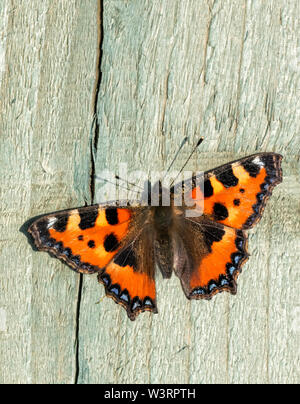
column 209, row 257
column 129, row 276
column 216, row 270
column 128, row 283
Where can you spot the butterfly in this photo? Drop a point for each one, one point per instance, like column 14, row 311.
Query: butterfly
column 124, row 244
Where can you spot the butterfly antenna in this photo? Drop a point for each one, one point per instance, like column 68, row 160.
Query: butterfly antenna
column 176, row 155
column 121, row 186
column 130, row 183
column 188, row 159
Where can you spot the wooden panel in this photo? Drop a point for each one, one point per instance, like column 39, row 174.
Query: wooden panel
column 228, row 71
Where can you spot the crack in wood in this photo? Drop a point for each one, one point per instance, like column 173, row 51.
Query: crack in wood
column 94, row 145
column 98, row 78
column 77, row 364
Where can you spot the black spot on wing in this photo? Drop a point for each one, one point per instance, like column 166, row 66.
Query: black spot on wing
column 208, row 189
column 91, row 244
column 269, row 163
column 61, row 223
column 44, row 235
column 251, row 168
column 111, row 243
column 220, row 211
column 43, row 229
column 126, row 257
column 237, row 202
column 227, row 178
column 212, row 234
column 272, row 163
column 87, row 218
column 112, row 216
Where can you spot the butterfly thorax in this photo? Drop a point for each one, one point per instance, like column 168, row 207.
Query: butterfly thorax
column 162, row 209
column 163, row 218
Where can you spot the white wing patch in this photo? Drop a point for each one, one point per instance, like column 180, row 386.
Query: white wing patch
column 51, row 222
column 258, row 162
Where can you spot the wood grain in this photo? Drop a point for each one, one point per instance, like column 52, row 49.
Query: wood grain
column 228, row 71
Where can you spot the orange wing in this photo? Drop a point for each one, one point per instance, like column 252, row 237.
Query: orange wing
column 128, row 285
column 86, row 238
column 236, row 193
column 220, row 265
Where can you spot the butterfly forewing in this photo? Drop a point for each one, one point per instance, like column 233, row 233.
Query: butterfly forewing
column 85, row 238
column 235, row 194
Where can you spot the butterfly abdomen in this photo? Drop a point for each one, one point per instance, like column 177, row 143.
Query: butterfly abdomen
column 163, row 223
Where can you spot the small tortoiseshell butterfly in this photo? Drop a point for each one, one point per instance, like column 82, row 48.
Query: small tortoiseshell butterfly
column 122, row 244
